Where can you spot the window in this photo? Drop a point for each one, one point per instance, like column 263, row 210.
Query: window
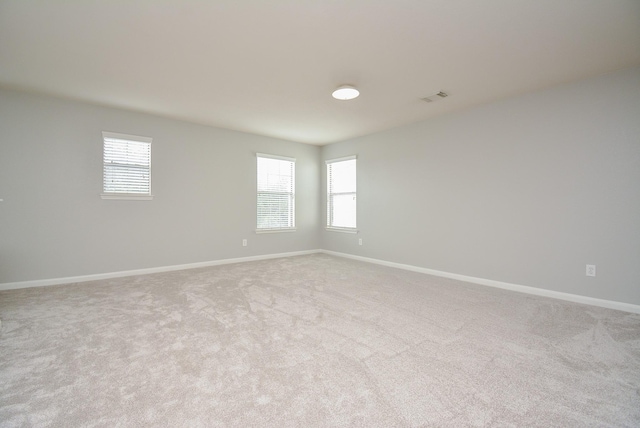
column 126, row 167
column 341, row 193
column 276, row 193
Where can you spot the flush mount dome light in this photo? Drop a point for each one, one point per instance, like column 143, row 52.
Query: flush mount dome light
column 345, row 92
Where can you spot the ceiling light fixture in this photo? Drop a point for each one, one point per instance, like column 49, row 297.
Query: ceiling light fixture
column 345, row 92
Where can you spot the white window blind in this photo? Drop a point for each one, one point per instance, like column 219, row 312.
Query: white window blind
column 126, row 166
column 276, row 193
column 341, row 193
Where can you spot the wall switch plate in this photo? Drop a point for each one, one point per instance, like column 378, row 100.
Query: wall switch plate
column 591, row 270
column 244, row 242
column 360, row 241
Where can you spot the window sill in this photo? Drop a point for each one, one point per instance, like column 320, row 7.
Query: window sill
column 126, row 197
column 341, row 229
column 275, row 230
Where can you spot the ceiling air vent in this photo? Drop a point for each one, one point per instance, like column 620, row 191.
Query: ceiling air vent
column 434, row 97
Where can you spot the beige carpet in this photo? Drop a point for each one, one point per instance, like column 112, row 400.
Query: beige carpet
column 311, row 341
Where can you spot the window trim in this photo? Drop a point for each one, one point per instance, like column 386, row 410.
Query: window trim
column 293, row 194
column 328, row 226
column 122, row 195
column 342, row 229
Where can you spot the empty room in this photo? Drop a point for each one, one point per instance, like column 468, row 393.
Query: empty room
column 320, row 213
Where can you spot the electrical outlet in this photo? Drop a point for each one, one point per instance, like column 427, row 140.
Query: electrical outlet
column 360, row 241
column 591, row 270
column 244, row 242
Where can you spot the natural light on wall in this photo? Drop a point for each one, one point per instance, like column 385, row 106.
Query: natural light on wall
column 341, row 193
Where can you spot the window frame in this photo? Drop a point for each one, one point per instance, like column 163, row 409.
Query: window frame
column 125, row 195
column 329, row 220
column 291, row 194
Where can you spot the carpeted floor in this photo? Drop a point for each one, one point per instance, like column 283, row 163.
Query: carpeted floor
column 311, row 341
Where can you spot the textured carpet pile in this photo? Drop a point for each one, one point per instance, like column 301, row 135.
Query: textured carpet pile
column 311, row 341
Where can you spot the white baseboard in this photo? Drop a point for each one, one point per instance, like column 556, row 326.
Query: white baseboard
column 84, row 278
column 626, row 307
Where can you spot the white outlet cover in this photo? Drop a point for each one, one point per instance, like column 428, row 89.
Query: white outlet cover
column 591, row 270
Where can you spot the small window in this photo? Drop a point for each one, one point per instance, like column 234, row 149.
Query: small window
column 341, row 194
column 126, row 167
column 276, row 193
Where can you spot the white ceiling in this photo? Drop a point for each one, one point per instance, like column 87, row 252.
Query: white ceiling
column 269, row 67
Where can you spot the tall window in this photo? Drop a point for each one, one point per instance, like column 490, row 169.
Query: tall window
column 341, row 193
column 276, row 193
column 126, row 166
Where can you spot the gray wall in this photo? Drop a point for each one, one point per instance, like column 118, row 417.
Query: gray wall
column 527, row 190
column 54, row 224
